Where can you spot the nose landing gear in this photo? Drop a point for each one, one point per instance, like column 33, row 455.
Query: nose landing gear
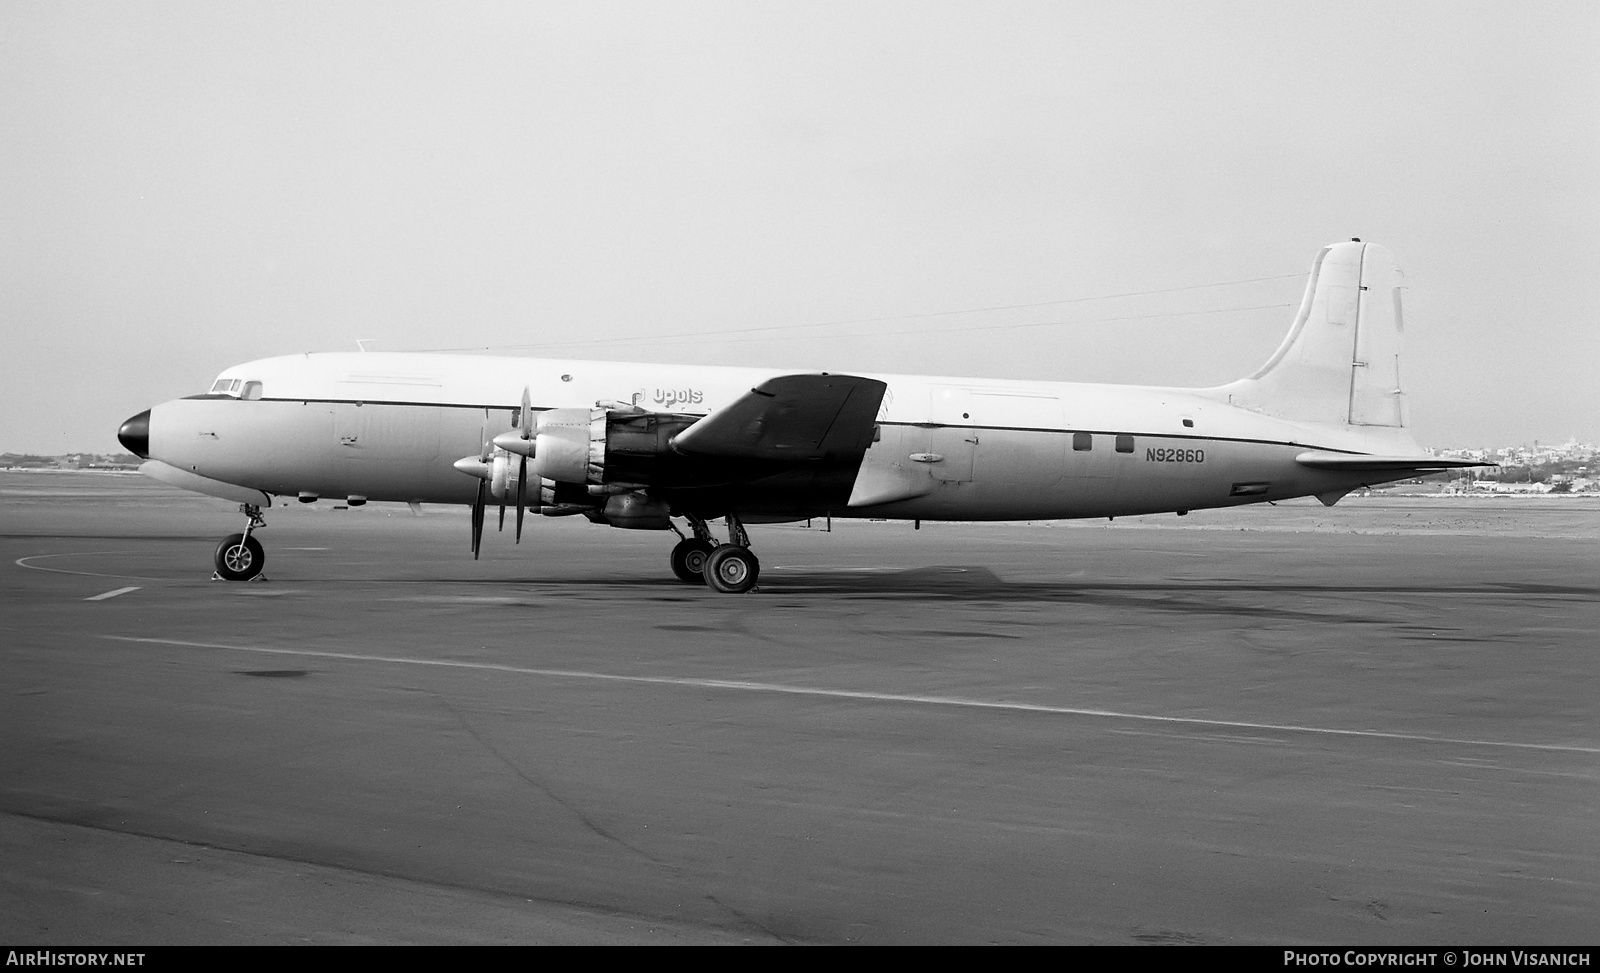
column 240, row 557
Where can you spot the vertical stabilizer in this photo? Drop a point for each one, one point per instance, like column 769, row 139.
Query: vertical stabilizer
column 1340, row 363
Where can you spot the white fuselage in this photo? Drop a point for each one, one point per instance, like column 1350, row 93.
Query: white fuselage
column 388, row 426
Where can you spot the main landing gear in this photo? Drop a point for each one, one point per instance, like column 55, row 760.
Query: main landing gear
column 239, row 557
column 730, row 568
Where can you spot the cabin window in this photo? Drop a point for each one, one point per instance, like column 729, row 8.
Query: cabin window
column 252, row 390
column 1188, row 423
column 1082, row 441
column 1124, row 443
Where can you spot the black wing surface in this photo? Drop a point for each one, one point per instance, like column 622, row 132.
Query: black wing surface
column 790, row 419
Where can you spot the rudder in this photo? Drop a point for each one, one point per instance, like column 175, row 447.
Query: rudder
column 1340, row 362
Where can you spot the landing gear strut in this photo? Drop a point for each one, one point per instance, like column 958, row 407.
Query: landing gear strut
column 239, row 557
column 730, row 568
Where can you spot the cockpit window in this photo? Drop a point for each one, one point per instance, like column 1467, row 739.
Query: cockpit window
column 236, row 387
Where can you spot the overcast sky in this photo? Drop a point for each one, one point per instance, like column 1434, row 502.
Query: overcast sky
column 187, row 186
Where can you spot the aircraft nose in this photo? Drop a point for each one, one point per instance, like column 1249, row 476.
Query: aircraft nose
column 135, row 435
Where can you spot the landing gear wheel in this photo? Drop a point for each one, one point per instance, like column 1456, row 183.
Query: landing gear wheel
column 732, row 570
column 239, row 558
column 689, row 560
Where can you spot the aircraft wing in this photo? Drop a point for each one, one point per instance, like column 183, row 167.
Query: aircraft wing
column 791, row 418
column 1359, row 462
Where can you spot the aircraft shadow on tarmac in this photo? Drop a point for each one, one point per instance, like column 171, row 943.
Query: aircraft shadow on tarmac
column 980, row 584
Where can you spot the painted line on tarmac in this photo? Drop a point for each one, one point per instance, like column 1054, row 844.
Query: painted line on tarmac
column 102, row 596
column 781, row 689
column 22, row 562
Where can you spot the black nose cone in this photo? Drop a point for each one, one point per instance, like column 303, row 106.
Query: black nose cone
column 135, row 435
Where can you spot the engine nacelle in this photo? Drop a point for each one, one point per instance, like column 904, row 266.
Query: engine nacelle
column 553, row 494
column 561, row 444
column 637, row 511
column 617, row 447
column 503, row 471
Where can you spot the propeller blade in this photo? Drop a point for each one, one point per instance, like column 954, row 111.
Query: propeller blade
column 525, row 421
column 483, row 489
column 522, row 494
column 477, row 518
column 502, row 516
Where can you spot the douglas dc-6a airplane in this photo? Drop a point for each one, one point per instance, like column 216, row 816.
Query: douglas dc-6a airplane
column 636, row 445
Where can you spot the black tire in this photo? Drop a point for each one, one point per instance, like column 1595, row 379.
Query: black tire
column 689, row 560
column 732, row 570
column 239, row 558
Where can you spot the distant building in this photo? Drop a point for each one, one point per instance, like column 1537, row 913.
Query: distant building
column 1490, row 486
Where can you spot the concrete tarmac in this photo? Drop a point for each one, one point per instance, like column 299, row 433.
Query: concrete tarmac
column 1373, row 726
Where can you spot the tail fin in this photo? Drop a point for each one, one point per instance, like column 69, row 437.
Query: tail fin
column 1340, row 363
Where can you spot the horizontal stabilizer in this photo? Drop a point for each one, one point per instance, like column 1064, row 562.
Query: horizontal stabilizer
column 792, row 418
column 1358, row 462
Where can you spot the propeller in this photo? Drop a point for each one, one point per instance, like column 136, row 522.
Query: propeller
column 478, row 467
column 523, row 422
column 477, row 518
column 478, row 505
column 493, row 472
